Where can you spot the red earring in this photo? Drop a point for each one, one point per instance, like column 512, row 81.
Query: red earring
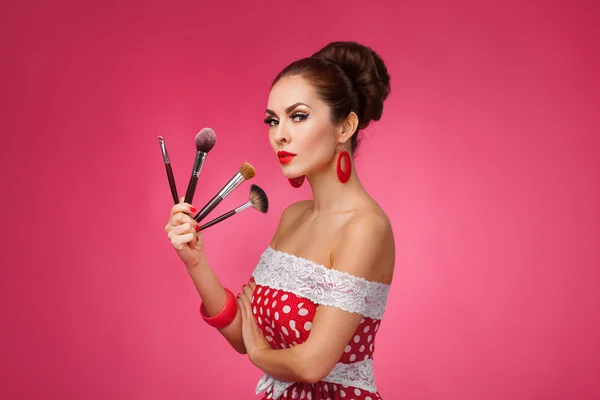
column 343, row 176
column 297, row 182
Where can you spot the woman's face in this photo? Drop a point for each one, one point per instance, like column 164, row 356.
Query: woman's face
column 300, row 129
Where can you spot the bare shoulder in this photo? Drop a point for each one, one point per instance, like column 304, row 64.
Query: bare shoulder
column 290, row 215
column 294, row 210
column 367, row 246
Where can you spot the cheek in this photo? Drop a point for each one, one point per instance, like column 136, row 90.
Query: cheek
column 317, row 137
column 271, row 139
column 318, row 145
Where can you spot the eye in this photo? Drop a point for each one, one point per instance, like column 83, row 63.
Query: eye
column 271, row 121
column 297, row 117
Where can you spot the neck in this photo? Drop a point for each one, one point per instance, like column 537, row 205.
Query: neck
column 329, row 194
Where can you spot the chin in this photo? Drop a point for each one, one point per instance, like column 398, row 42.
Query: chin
column 289, row 172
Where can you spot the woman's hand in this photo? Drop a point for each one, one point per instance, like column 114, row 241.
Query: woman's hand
column 254, row 340
column 183, row 230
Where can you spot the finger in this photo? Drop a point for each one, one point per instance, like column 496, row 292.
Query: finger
column 183, row 208
column 251, row 318
column 182, row 218
column 179, row 242
column 180, row 234
column 249, row 309
column 182, row 229
column 243, row 305
column 199, row 239
column 248, row 290
column 252, row 284
column 244, row 298
column 242, row 308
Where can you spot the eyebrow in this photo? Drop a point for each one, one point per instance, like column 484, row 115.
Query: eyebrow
column 290, row 108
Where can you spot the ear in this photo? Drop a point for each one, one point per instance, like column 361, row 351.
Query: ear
column 348, row 127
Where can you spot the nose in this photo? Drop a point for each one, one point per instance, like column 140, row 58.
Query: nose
column 282, row 135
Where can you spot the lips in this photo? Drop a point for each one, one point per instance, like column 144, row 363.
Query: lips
column 285, row 157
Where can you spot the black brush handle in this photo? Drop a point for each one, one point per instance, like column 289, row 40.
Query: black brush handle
column 189, row 195
column 172, row 183
column 214, row 202
column 191, row 189
column 218, row 219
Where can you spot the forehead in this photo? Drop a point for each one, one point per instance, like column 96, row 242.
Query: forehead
column 290, row 90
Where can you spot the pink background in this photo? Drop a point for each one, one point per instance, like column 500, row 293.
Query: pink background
column 486, row 161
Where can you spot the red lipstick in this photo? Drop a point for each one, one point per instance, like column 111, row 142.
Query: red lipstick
column 285, row 157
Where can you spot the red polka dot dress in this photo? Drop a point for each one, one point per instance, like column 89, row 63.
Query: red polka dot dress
column 288, row 291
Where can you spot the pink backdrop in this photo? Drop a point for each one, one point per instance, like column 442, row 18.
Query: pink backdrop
column 486, row 161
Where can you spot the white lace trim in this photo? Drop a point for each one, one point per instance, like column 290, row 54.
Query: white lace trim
column 359, row 374
column 321, row 285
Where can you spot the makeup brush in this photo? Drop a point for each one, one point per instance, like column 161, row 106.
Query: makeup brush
column 163, row 149
column 205, row 141
column 246, row 172
column 258, row 199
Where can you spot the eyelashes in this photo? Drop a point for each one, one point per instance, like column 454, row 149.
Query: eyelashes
column 296, row 117
column 269, row 121
column 299, row 115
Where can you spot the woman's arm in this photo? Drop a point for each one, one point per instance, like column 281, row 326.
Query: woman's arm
column 212, row 294
column 364, row 246
column 183, row 231
column 314, row 359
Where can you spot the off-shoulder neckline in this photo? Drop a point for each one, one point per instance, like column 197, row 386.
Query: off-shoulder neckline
column 321, row 266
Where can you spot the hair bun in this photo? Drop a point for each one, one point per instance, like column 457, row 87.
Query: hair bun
column 367, row 72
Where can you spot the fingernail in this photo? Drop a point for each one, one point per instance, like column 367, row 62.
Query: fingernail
column 197, row 238
column 193, row 209
column 197, row 228
column 252, row 280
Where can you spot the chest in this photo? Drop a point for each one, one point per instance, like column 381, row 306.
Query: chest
column 284, row 318
column 289, row 289
column 312, row 239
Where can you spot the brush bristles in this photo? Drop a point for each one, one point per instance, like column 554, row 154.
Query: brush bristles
column 205, row 140
column 247, row 171
column 160, row 139
column 259, row 199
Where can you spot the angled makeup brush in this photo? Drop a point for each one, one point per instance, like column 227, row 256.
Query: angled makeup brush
column 246, row 172
column 163, row 149
column 258, row 200
column 205, row 141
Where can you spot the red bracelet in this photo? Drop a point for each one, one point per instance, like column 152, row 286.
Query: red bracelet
column 225, row 316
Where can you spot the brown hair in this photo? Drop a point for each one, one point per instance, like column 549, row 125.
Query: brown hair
column 348, row 77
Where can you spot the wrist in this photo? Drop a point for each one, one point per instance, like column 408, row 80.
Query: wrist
column 195, row 266
column 221, row 317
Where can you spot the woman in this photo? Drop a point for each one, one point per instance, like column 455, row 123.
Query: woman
column 309, row 314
